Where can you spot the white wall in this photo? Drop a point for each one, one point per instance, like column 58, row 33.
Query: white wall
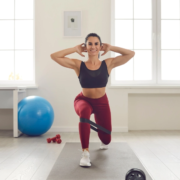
column 154, row 111
column 60, row 85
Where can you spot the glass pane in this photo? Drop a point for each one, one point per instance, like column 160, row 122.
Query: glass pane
column 6, row 9
column 24, row 9
column 7, row 34
column 142, row 9
column 143, row 65
column 24, row 34
column 170, row 64
column 124, row 9
column 170, row 9
column 6, row 65
column 124, row 33
column 142, row 34
column 170, row 38
column 125, row 71
column 24, row 67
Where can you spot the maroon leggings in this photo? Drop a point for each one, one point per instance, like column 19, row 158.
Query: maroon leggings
column 84, row 107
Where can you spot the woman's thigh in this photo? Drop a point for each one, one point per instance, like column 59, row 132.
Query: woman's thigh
column 102, row 117
column 83, row 108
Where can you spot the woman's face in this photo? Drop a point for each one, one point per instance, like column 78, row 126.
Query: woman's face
column 93, row 46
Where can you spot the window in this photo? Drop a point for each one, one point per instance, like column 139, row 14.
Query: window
column 151, row 29
column 17, row 42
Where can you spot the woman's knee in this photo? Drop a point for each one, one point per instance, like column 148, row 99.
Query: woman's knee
column 85, row 111
column 106, row 139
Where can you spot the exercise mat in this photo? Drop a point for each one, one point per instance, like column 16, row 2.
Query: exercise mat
column 110, row 164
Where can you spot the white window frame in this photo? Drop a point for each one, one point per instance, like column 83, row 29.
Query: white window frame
column 16, row 83
column 156, row 81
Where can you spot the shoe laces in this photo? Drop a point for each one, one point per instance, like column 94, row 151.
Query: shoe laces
column 85, row 154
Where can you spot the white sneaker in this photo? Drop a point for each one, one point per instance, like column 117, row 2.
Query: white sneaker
column 103, row 146
column 85, row 161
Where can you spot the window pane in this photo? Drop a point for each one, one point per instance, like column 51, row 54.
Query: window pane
column 23, row 34
column 24, row 65
column 124, row 9
column 6, row 65
column 170, row 64
column 143, row 65
column 6, row 9
column 170, row 9
column 7, row 34
column 125, row 71
column 16, row 35
column 124, row 33
column 142, row 34
column 24, row 9
column 170, row 38
column 142, row 9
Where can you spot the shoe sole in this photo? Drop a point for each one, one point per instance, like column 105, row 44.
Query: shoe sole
column 103, row 148
column 85, row 164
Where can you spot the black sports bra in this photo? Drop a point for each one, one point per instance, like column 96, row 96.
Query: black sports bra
column 93, row 78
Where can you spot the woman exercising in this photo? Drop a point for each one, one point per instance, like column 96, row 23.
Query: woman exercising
column 93, row 76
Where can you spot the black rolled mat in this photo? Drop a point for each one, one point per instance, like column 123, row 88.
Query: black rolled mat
column 110, row 164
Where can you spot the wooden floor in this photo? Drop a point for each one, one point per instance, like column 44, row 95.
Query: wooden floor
column 32, row 158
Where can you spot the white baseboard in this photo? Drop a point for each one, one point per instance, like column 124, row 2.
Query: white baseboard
column 75, row 129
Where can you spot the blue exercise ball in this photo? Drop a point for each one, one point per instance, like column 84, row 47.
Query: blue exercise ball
column 35, row 115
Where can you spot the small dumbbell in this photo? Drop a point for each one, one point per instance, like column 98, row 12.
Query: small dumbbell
column 58, row 136
column 54, row 139
column 58, row 141
column 51, row 139
column 48, row 140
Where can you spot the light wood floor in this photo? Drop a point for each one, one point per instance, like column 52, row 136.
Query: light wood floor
column 32, row 158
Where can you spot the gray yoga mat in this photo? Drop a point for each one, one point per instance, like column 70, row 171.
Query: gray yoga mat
column 110, row 164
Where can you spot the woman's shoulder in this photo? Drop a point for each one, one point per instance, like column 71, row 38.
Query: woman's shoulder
column 78, row 63
column 108, row 61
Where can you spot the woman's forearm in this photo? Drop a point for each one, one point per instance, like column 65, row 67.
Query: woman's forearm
column 120, row 50
column 64, row 52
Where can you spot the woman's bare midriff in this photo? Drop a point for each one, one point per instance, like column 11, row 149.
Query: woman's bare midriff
column 93, row 93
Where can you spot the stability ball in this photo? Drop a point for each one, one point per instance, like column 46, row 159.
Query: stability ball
column 35, row 115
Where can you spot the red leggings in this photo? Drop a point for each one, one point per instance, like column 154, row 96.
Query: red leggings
column 84, row 107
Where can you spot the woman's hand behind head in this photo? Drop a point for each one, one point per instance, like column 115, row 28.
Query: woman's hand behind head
column 80, row 49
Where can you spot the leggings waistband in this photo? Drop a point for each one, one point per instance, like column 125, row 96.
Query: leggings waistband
column 93, row 98
column 103, row 99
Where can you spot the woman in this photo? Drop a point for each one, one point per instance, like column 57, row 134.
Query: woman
column 93, row 76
